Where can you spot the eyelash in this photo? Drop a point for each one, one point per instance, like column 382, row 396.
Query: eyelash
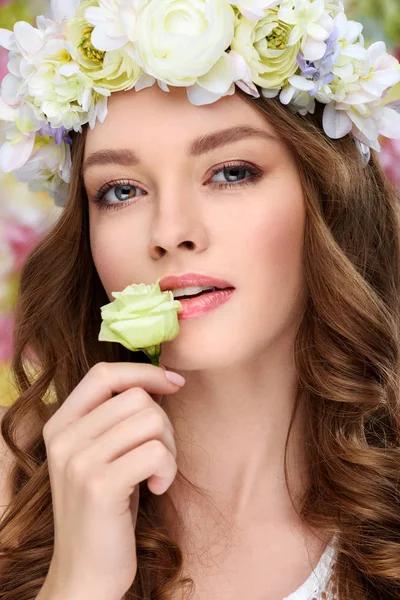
column 255, row 174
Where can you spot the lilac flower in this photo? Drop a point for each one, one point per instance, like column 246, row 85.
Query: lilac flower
column 320, row 71
column 60, row 134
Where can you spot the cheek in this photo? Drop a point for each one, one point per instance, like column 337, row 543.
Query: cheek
column 111, row 255
column 273, row 249
column 277, row 230
column 279, row 235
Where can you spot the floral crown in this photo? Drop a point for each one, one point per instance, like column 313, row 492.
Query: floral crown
column 62, row 72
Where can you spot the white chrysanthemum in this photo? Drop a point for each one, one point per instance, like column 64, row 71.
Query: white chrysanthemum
column 47, row 158
column 298, row 100
column 242, row 75
column 17, row 135
column 24, row 44
column 352, row 57
column 344, row 50
column 358, row 106
column 48, row 168
column 334, row 7
column 220, row 81
column 45, row 75
column 63, row 10
column 349, row 35
column 67, row 96
column 338, row 71
column 59, row 88
column 254, row 9
column 365, row 121
column 360, row 82
column 27, row 40
column 53, row 185
column 114, row 23
column 383, row 72
column 179, row 41
column 312, row 24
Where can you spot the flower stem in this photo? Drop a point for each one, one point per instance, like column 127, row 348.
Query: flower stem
column 155, row 361
column 154, row 354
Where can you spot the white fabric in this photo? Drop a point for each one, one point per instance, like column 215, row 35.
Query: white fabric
column 316, row 585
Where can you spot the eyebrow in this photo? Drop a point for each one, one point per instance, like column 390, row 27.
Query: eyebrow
column 127, row 157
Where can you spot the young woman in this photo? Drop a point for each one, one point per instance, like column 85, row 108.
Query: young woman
column 271, row 471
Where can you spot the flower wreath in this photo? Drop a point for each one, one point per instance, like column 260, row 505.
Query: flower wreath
column 62, row 72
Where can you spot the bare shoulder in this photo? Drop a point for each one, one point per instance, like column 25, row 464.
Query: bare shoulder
column 5, row 468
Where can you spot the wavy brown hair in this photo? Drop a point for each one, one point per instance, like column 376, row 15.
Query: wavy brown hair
column 346, row 352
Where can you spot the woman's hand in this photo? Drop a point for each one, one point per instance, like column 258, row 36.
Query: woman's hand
column 99, row 448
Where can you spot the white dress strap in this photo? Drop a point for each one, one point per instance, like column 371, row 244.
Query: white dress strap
column 315, row 587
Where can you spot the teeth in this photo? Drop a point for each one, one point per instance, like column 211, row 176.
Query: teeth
column 190, row 291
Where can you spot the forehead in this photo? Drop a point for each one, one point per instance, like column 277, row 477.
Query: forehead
column 154, row 115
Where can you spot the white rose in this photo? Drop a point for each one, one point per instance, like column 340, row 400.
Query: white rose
column 178, row 41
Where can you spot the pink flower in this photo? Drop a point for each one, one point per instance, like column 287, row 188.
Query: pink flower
column 3, row 62
column 6, row 332
column 21, row 239
column 390, row 159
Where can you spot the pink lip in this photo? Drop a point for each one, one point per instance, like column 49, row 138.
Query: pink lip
column 173, row 282
column 202, row 304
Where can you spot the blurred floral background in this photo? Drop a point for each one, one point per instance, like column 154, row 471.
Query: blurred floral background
column 25, row 216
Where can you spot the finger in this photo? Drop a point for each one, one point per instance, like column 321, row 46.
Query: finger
column 113, row 411
column 100, row 383
column 150, row 460
column 127, row 435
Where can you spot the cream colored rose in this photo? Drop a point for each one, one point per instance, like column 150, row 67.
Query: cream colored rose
column 141, row 317
column 178, row 41
column 264, row 46
column 114, row 70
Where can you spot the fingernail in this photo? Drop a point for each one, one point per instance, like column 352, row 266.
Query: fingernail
column 175, row 378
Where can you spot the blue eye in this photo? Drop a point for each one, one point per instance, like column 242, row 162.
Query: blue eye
column 118, row 193
column 115, row 194
column 236, row 170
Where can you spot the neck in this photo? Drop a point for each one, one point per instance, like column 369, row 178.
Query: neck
column 231, row 427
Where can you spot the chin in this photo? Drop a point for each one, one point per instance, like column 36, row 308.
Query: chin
column 222, row 353
column 192, row 359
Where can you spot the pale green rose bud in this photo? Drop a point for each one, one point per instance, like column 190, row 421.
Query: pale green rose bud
column 141, row 317
column 264, row 46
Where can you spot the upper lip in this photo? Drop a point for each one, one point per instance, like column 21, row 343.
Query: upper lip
column 173, row 282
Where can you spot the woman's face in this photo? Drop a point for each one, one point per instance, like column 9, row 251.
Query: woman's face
column 168, row 207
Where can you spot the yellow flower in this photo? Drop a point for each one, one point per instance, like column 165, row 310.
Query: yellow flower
column 141, row 317
column 264, row 46
column 8, row 392
column 114, row 70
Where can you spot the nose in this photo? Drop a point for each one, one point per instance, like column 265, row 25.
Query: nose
column 177, row 225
